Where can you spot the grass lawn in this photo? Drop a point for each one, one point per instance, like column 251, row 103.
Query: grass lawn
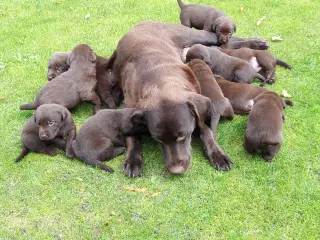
column 47, row 197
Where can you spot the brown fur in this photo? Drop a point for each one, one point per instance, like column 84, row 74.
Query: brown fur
column 207, row 18
column 148, row 66
column 73, row 86
column 221, row 106
column 262, row 59
column 50, row 127
column 264, row 127
column 230, row 68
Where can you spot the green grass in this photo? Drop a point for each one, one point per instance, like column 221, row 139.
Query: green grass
column 47, row 197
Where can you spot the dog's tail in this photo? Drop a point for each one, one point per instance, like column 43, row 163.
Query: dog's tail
column 265, row 142
column 287, row 101
column 23, row 153
column 29, row 106
column 181, row 4
column 283, row 64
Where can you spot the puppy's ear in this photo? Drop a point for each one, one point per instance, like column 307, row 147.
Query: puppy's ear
column 111, row 78
column 192, row 78
column 64, row 115
column 92, row 57
column 137, row 118
column 200, row 106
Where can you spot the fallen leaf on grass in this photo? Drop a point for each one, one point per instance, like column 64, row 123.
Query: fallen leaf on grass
column 285, row 94
column 59, row 2
column 260, row 20
column 241, row 9
column 276, row 38
column 2, row 98
column 143, row 190
column 79, row 179
column 86, row 17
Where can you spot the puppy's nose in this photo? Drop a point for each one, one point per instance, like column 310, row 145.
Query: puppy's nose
column 43, row 135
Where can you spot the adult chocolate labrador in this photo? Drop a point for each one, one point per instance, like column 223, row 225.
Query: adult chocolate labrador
column 153, row 78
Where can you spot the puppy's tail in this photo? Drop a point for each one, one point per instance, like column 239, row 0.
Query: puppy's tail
column 23, row 153
column 29, row 106
column 265, row 142
column 283, row 64
column 287, row 102
column 181, row 4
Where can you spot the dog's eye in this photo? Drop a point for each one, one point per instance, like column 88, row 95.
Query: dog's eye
column 51, row 123
column 181, row 138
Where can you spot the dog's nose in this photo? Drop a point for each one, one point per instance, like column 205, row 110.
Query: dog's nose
column 43, row 135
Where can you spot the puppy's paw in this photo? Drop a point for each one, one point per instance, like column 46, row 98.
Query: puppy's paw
column 70, row 154
column 220, row 161
column 53, row 151
column 132, row 168
column 259, row 44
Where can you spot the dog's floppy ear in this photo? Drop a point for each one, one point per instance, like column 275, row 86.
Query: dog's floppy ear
column 200, row 106
column 64, row 114
column 92, row 56
column 111, row 78
column 192, row 78
column 137, row 118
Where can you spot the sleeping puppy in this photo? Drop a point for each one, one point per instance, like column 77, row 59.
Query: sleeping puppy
column 261, row 61
column 207, row 18
column 57, row 64
column 50, row 126
column 264, row 127
column 230, row 68
column 73, row 86
column 99, row 138
column 209, row 88
column 109, row 93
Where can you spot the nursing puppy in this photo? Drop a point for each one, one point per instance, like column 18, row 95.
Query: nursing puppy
column 261, row 61
column 50, row 126
column 207, row 18
column 230, row 68
column 240, row 95
column 264, row 127
column 210, row 88
column 99, row 138
column 73, row 86
column 109, row 93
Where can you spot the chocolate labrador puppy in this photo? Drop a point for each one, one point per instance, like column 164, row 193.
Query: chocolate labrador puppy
column 253, row 43
column 50, row 125
column 240, row 95
column 261, row 61
column 73, row 86
column 207, row 18
column 106, row 86
column 221, row 106
column 230, row 68
column 264, row 127
column 57, row 64
column 148, row 66
column 99, row 138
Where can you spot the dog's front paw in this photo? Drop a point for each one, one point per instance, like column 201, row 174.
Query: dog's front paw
column 53, row 151
column 220, row 161
column 132, row 167
column 70, row 153
column 259, row 44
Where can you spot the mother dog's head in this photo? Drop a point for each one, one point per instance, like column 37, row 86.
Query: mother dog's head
column 171, row 124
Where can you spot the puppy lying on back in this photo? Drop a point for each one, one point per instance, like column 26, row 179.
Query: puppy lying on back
column 99, row 138
column 262, row 61
column 73, row 86
column 209, row 88
column 264, row 127
column 207, row 18
column 50, row 125
column 106, row 87
column 57, row 64
column 230, row 68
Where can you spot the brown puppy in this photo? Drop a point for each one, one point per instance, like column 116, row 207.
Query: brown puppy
column 57, row 64
column 210, row 88
column 99, row 138
column 253, row 43
column 207, row 18
column 73, row 86
column 264, row 127
column 50, row 125
column 240, row 95
column 261, row 61
column 106, row 86
column 148, row 66
column 230, row 68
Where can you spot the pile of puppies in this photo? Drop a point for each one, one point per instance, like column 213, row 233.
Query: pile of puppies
column 221, row 74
